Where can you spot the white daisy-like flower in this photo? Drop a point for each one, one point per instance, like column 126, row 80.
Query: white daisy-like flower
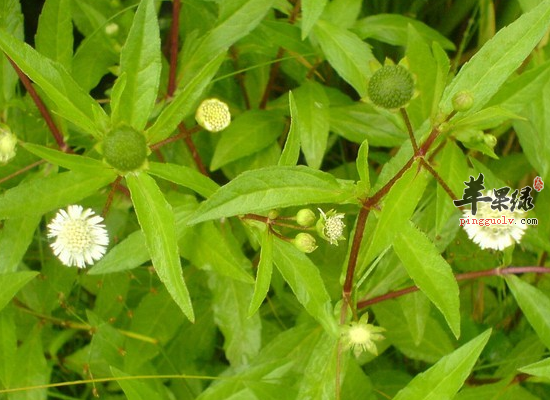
column 361, row 336
column 213, row 115
column 331, row 226
column 8, row 143
column 80, row 238
column 494, row 229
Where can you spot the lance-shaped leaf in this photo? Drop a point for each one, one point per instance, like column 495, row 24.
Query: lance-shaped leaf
column 291, row 151
column 304, row 279
column 140, row 62
column 72, row 102
column 70, row 161
column 184, row 176
column 39, row 196
column 54, row 36
column 498, row 58
column 446, row 377
column 430, row 272
column 11, row 19
column 311, row 11
column 263, row 274
column 347, row 54
column 184, row 102
column 273, row 187
column 312, row 121
column 11, row 283
column 535, row 306
column 541, row 368
column 156, row 219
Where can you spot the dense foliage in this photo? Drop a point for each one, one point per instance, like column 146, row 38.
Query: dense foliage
column 253, row 199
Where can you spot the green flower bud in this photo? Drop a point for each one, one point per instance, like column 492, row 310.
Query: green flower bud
column 463, row 100
column 125, row 149
column 273, row 214
column 305, row 242
column 392, row 86
column 306, row 217
column 8, row 143
column 490, row 140
column 213, row 115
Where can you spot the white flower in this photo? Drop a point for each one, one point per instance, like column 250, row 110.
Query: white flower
column 8, row 143
column 494, row 229
column 331, row 226
column 80, row 237
column 360, row 336
column 213, row 115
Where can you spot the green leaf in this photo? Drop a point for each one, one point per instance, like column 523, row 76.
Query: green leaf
column 361, row 121
column 231, row 27
column 11, row 19
column 362, row 165
column 398, row 206
column 16, row 234
column 312, row 121
column 66, row 188
column 498, row 58
column 444, row 379
column 533, row 132
column 263, row 276
column 452, row 167
column 485, row 119
column 291, row 151
column 11, row 283
column 520, row 91
column 184, row 176
column 434, row 343
column 54, row 36
column 273, row 187
column 304, row 279
column 343, row 13
column 242, row 333
column 430, row 272
column 207, row 247
column 184, row 101
column 392, row 29
column 156, row 219
column 319, row 376
column 135, row 389
column 249, row 133
column 534, row 304
column 72, row 102
column 347, row 54
column 73, row 162
column 156, row 317
column 311, row 11
column 8, row 346
column 128, row 254
column 541, row 369
column 140, row 61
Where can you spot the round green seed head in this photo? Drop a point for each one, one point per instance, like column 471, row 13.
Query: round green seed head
column 125, row 149
column 392, row 86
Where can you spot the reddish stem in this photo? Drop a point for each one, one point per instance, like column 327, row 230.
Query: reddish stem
column 57, row 135
column 458, row 277
column 174, row 37
column 22, row 170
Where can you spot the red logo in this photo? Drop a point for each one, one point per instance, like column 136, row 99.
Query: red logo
column 538, row 184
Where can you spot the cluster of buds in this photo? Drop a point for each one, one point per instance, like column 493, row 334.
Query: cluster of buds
column 329, row 226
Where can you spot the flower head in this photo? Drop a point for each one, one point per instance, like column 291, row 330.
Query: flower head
column 331, row 226
column 80, row 238
column 213, row 115
column 391, row 86
column 361, row 336
column 494, row 229
column 8, row 141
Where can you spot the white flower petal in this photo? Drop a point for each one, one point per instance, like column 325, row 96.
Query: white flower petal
column 80, row 238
